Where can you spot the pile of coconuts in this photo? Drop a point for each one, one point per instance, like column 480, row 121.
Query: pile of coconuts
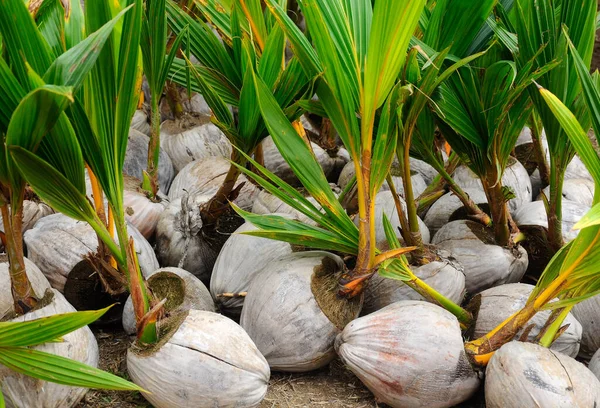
column 243, row 306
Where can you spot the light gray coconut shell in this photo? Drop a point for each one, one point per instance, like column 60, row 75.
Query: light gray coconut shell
column 595, row 364
column 209, row 362
column 276, row 163
column 142, row 212
column 485, row 264
column 136, row 160
column 240, row 259
column 577, row 190
column 283, row 318
column 206, row 176
column 384, row 203
column 445, row 276
column 57, row 243
column 529, row 375
column 32, row 212
column 534, row 214
column 588, row 314
column 140, row 122
column 196, row 141
column 409, row 354
column 38, row 281
column 499, row 303
column 424, row 169
column 179, row 240
column 22, row 391
column 515, row 177
column 440, row 212
column 196, row 296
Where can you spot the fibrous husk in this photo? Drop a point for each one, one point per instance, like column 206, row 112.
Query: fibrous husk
column 208, row 362
column 274, row 162
column 179, row 238
column 533, row 214
column 136, row 160
column 32, row 212
column 283, row 317
column 409, row 354
column 206, row 176
column 595, row 364
column 182, row 290
column 588, row 314
column 528, row 375
column 514, row 177
column 449, row 208
column 240, row 259
column 39, row 283
column 140, row 122
column 444, row 275
column 577, row 190
column 80, row 345
column 497, row 304
column 194, row 138
column 57, row 243
column 485, row 264
column 418, row 182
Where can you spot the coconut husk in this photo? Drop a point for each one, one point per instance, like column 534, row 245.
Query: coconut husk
column 588, row 314
column 140, row 122
column 409, row 354
column 595, row 364
column 136, row 160
column 448, row 208
column 39, row 283
column 209, row 361
column 142, row 212
column 576, row 190
column 528, row 375
column 418, row 182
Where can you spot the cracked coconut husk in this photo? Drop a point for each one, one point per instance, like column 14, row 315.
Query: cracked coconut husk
column 167, row 285
column 167, row 327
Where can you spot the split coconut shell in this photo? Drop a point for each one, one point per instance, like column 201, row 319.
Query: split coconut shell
column 409, row 354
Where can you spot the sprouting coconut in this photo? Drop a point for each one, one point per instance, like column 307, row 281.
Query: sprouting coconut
column 577, row 190
column 211, row 363
column 58, row 243
column 485, row 263
column 206, row 176
column 444, row 274
column 588, row 314
column 193, row 138
column 143, row 212
column 449, row 208
column 528, row 375
column 136, row 160
column 240, row 260
column 515, row 177
column 409, row 354
column 182, row 290
column 293, row 313
column 140, row 122
column 32, row 212
column 39, row 284
column 80, row 345
column 595, row 364
column 494, row 305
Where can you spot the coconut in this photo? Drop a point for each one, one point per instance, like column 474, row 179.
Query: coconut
column 529, row 375
column 240, row 259
column 444, row 275
column 80, row 345
column 449, row 208
column 143, row 212
column 136, row 160
column 292, row 311
column 424, row 169
column 32, row 212
column 39, row 283
column 182, row 290
column 58, row 243
column 193, row 139
column 206, row 176
column 384, row 203
column 515, row 177
column 274, row 162
column 588, row 314
column 409, row 354
column 470, row 243
column 495, row 305
column 209, row 361
column 140, row 122
column 536, row 183
column 577, row 190
column 595, row 364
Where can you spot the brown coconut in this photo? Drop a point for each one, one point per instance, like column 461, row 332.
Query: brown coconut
column 240, row 259
column 529, row 375
column 485, row 264
column 208, row 361
column 182, row 291
column 80, row 345
column 588, row 314
column 136, row 160
column 494, row 305
column 292, row 311
column 409, row 354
